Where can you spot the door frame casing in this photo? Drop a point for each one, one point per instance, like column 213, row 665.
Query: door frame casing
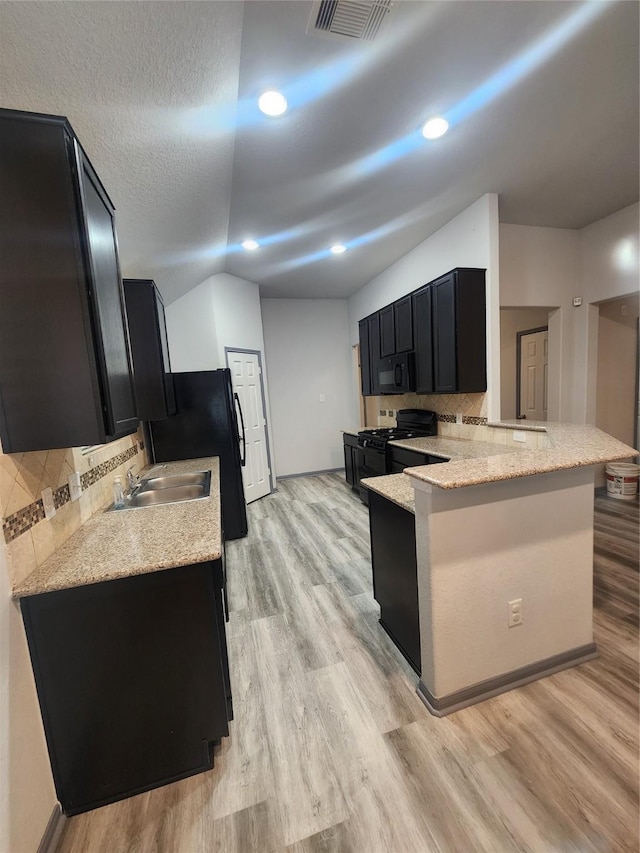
column 519, row 336
column 256, row 352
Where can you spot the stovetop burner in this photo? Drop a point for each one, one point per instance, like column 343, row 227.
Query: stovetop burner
column 412, row 423
column 390, row 433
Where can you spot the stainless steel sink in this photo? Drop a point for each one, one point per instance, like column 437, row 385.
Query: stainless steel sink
column 169, row 481
column 168, row 490
column 153, row 497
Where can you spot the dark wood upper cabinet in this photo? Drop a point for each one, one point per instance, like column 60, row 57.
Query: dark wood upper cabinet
column 459, row 332
column 387, row 332
column 365, row 359
column 403, row 324
column 443, row 323
column 373, row 323
column 155, row 394
column 65, row 364
column 424, row 340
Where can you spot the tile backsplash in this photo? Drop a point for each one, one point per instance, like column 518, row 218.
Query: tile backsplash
column 29, row 537
column 472, row 406
column 474, row 427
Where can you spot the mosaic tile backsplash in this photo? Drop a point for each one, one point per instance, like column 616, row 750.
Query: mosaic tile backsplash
column 30, row 538
column 472, row 406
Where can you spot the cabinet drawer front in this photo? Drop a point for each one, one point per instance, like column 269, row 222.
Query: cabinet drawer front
column 408, row 458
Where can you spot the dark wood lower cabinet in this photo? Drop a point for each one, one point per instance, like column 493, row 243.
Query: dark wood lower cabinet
column 395, row 578
column 133, row 681
column 350, row 443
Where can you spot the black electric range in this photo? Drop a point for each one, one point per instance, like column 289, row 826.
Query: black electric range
column 372, row 456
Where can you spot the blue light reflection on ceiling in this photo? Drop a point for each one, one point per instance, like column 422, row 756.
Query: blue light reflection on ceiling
column 322, row 81
column 497, row 84
column 312, row 86
column 531, row 58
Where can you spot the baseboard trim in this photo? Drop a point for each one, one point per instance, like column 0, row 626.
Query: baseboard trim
column 53, row 832
column 443, row 705
column 308, row 473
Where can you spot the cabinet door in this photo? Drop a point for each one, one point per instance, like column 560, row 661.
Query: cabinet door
column 395, row 578
column 111, row 338
column 423, row 338
column 444, row 335
column 348, row 464
column 407, row 458
column 387, row 332
column 49, row 394
column 169, row 391
column 155, row 398
column 113, row 663
column 374, row 351
column 365, row 358
column 403, row 321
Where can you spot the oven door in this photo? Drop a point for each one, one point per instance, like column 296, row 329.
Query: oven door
column 369, row 463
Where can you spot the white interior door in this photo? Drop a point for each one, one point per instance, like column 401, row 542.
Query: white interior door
column 534, row 357
column 247, row 384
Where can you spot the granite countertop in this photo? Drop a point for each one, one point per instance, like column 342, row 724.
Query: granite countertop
column 398, row 487
column 571, row 446
column 353, row 431
column 394, row 487
column 119, row 544
column 452, row 448
column 473, row 463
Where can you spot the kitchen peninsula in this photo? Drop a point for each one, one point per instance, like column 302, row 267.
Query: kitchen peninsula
column 126, row 631
column 504, row 546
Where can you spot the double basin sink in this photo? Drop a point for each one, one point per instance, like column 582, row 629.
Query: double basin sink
column 168, row 489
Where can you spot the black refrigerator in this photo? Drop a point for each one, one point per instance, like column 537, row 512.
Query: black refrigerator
column 206, row 424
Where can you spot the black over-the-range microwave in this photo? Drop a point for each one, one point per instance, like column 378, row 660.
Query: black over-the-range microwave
column 396, row 375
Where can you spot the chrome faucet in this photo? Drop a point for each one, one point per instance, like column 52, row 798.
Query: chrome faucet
column 132, row 480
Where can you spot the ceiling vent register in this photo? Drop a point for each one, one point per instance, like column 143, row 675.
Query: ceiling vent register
column 351, row 19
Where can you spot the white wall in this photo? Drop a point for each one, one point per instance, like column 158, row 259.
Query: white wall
column 309, row 355
column 548, row 267
column 609, row 267
column 512, row 321
column 539, row 268
column 191, row 330
column 468, row 240
column 466, row 581
column 223, row 311
column 27, row 795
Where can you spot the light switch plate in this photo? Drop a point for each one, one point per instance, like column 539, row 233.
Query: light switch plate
column 458, row 417
column 47, row 502
column 518, row 435
column 75, row 486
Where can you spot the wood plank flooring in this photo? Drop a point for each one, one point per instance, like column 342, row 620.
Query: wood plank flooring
column 331, row 750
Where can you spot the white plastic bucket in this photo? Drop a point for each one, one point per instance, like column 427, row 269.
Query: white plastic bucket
column 622, row 480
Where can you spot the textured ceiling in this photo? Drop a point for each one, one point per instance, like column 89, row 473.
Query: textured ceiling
column 162, row 96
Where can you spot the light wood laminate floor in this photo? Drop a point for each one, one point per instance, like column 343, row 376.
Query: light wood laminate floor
column 331, row 750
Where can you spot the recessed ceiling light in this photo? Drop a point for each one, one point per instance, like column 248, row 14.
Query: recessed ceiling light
column 272, row 103
column 250, row 245
column 338, row 249
column 435, row 127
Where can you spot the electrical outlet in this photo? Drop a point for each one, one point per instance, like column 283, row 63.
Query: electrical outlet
column 519, row 435
column 75, row 486
column 458, row 417
column 515, row 612
column 322, row 398
column 47, row 502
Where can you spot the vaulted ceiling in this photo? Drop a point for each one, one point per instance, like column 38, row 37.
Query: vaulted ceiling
column 542, row 100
